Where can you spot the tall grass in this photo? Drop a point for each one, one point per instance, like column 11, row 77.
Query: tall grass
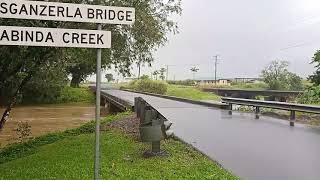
column 190, row 92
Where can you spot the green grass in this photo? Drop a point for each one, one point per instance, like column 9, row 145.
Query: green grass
column 74, row 95
column 190, row 92
column 19, row 150
column 71, row 157
column 252, row 86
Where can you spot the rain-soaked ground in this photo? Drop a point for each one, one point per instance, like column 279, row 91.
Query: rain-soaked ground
column 46, row 118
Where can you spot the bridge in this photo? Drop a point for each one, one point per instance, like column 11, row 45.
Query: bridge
column 273, row 95
column 264, row 148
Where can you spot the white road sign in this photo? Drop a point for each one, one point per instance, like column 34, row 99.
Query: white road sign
column 31, row 36
column 21, row 9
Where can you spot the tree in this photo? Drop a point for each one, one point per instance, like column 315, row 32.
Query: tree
column 47, row 84
column 315, row 78
column 19, row 64
column 109, row 77
column 277, row 76
column 194, row 70
column 162, row 71
column 155, row 74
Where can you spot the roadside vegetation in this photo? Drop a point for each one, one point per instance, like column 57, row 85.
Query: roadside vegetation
column 121, row 157
column 310, row 96
column 277, row 76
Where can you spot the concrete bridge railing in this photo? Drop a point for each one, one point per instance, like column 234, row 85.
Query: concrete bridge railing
column 272, row 104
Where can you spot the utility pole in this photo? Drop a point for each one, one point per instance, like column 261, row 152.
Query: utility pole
column 167, row 72
column 215, row 68
column 139, row 70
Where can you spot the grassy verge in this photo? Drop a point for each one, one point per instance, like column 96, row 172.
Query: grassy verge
column 19, row 150
column 70, row 156
column 190, row 92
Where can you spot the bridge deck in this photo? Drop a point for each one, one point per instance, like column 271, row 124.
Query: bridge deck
column 252, row 149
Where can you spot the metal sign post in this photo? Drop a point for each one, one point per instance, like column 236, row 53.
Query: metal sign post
column 98, row 94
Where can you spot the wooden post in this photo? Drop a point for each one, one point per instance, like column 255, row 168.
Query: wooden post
column 292, row 117
column 257, row 112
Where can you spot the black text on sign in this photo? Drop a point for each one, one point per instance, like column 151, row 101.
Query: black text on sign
column 41, row 10
column 30, row 36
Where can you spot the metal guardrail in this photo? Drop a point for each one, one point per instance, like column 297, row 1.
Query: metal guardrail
column 120, row 103
column 153, row 127
column 272, row 104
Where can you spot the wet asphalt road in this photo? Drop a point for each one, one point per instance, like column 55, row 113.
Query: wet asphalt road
column 264, row 149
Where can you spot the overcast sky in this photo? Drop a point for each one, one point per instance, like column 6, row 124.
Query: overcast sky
column 246, row 35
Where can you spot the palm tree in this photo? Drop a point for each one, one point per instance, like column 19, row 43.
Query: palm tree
column 155, row 74
column 194, row 70
column 162, row 71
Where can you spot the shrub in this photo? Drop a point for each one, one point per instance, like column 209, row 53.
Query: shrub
column 69, row 94
column 147, row 85
column 187, row 82
column 23, row 131
column 310, row 96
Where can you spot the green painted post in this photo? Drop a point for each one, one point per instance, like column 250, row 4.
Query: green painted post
column 155, row 122
column 136, row 102
column 156, row 147
column 142, row 111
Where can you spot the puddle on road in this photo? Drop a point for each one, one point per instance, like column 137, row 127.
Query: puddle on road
column 45, row 119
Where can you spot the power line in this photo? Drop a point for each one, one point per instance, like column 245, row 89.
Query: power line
column 167, row 72
column 297, row 45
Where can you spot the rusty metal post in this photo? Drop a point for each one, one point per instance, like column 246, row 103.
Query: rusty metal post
column 257, row 112
column 230, row 109
column 292, row 117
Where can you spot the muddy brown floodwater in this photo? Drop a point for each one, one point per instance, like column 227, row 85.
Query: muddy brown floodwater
column 45, row 119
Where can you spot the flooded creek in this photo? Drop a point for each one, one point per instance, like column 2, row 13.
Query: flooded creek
column 45, row 119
